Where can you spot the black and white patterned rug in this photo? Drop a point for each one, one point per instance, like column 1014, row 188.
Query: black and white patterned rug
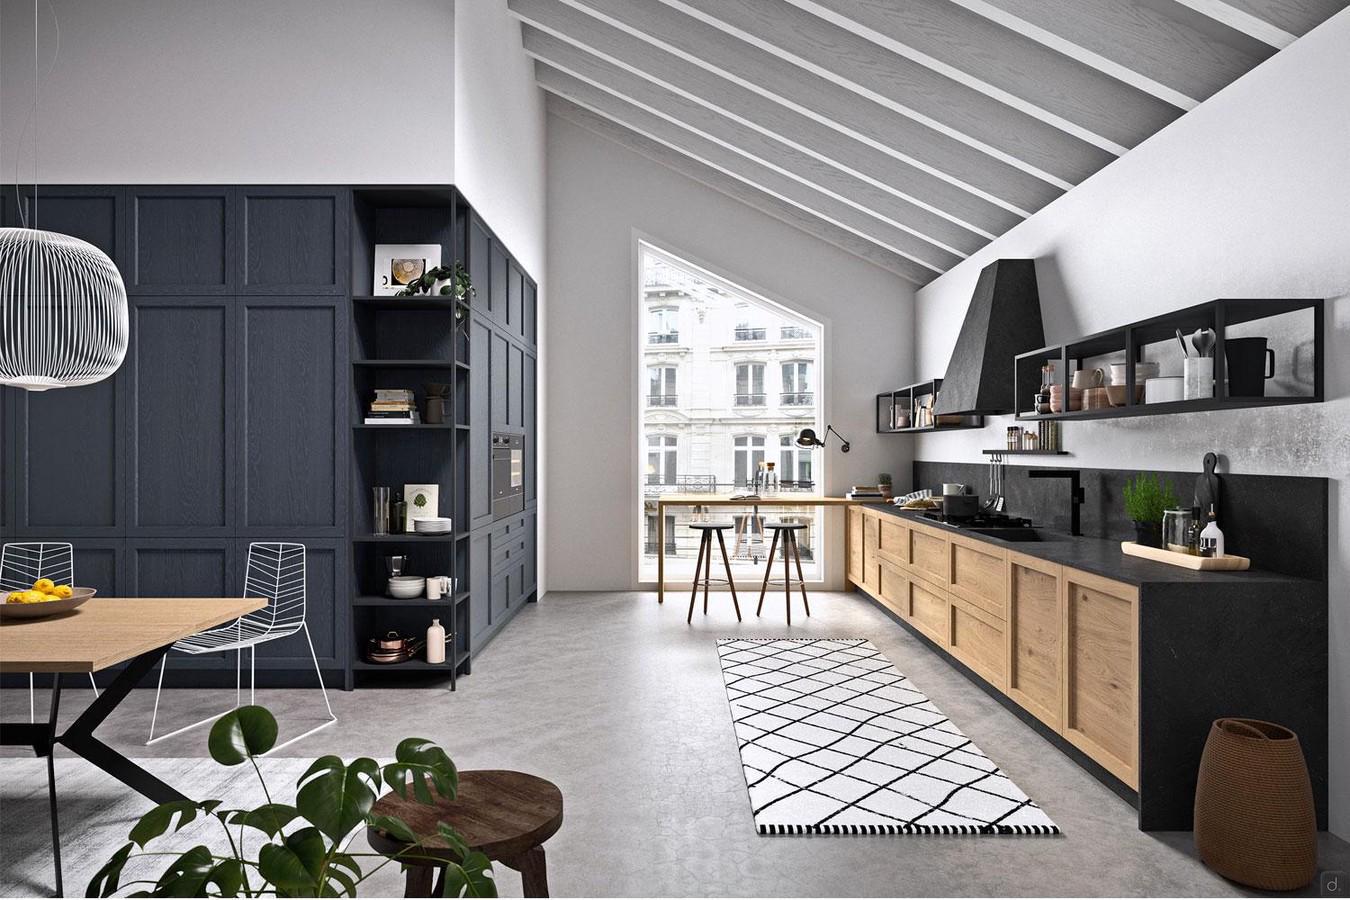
column 834, row 740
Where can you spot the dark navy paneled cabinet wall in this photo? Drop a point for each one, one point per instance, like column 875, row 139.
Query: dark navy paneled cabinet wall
column 226, row 422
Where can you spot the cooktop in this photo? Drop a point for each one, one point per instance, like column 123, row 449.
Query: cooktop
column 980, row 520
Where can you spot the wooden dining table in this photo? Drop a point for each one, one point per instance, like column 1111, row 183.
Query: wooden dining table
column 101, row 633
column 724, row 500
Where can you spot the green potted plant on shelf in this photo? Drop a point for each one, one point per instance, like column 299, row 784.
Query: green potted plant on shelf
column 1146, row 499
column 297, row 849
column 445, row 281
column 884, row 483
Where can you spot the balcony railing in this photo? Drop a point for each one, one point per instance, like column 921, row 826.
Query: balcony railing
column 745, row 333
column 797, row 398
column 794, row 333
column 663, row 337
column 661, row 400
column 749, row 399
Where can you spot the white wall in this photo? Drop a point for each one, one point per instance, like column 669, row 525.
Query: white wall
column 601, row 196
column 1246, row 196
column 499, row 149
column 245, row 91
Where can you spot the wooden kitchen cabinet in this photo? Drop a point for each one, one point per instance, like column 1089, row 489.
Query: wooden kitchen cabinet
column 894, row 539
column 927, row 609
column 854, row 539
column 871, row 575
column 893, row 588
column 1100, row 641
column 978, row 574
column 976, row 638
column 929, row 556
column 1034, row 631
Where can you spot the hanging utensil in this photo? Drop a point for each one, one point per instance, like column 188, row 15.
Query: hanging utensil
column 1203, row 339
column 1182, row 341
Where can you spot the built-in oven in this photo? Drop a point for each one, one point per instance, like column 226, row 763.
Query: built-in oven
column 508, row 474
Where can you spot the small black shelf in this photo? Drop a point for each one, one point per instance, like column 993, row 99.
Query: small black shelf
column 930, row 428
column 1025, row 452
column 381, row 600
column 422, row 426
column 404, row 363
column 1207, row 404
column 412, row 665
column 424, row 303
column 888, row 401
column 402, row 538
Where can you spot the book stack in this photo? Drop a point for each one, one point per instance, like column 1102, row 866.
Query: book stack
column 393, row 406
column 865, row 493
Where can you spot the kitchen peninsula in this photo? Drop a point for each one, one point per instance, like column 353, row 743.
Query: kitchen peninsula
column 1121, row 662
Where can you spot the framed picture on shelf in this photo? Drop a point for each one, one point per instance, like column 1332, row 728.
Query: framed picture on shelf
column 398, row 265
column 422, row 500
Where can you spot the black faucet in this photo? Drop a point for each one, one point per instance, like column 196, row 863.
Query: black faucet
column 1075, row 493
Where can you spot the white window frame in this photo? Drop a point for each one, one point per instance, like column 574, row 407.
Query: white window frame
column 752, row 366
column 666, row 451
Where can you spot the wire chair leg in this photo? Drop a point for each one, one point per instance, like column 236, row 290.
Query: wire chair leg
column 164, row 737
column 332, row 719
column 164, row 660
column 32, row 707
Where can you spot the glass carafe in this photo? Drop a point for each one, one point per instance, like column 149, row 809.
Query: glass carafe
column 1179, row 531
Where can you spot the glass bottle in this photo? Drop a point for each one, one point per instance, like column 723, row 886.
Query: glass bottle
column 380, row 511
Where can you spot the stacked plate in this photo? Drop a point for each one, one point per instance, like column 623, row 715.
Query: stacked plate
column 406, row 587
column 431, row 525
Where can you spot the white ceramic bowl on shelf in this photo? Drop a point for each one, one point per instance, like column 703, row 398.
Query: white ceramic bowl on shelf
column 1166, row 389
column 406, row 587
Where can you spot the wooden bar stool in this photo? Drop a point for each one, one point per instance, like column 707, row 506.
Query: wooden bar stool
column 786, row 532
column 704, row 564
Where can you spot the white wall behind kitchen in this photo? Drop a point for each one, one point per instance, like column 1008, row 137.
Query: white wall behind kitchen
column 600, row 197
column 245, row 91
column 1248, row 195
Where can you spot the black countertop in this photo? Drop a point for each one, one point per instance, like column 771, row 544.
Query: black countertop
column 1100, row 557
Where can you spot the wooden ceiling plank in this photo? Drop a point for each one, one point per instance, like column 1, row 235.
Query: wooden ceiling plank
column 983, row 168
column 1297, row 17
column 1004, row 64
column 648, row 122
column 549, row 39
column 1240, row 20
column 765, row 149
column 738, row 190
column 1142, row 37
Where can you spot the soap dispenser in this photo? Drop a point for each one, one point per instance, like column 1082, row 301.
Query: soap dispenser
column 1211, row 539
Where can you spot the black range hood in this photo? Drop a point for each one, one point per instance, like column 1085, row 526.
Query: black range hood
column 1003, row 320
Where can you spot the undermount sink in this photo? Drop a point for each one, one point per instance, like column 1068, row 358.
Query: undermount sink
column 1019, row 535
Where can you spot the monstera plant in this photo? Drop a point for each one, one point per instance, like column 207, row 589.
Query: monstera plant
column 297, row 849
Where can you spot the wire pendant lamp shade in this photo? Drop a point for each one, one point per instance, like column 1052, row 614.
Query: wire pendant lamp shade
column 63, row 311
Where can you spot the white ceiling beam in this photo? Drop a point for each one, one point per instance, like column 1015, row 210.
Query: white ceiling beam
column 1138, row 36
column 738, row 190
column 1004, row 65
column 554, row 31
column 1241, row 20
column 1296, row 17
column 828, row 205
column 965, row 160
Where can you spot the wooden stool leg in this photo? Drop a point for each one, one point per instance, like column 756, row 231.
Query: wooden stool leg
column 698, row 566
column 797, row 553
column 419, row 882
column 740, row 535
column 768, row 567
column 731, row 582
column 707, row 572
column 533, row 873
column 787, row 573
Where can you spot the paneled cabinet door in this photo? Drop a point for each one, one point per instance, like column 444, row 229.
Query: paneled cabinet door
column 499, row 265
column 871, row 573
column 293, row 240
column 182, row 414
column 977, row 639
column 529, row 580
column 515, row 300
column 90, row 213
column 325, row 613
column 480, row 264
column 480, row 424
column 1101, row 672
column 184, row 567
column 290, row 415
column 531, row 312
column 100, row 564
column 531, row 430
column 480, row 582
column 978, row 573
column 855, row 545
column 1035, row 617
column 500, row 376
column 515, row 386
column 181, row 240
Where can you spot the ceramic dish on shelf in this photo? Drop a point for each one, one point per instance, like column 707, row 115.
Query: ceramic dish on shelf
column 1166, row 389
column 44, row 608
column 431, row 525
column 406, row 587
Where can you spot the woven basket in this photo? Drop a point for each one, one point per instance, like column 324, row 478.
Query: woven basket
column 1254, row 818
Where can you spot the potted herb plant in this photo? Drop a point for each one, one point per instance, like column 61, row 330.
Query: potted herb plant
column 1146, row 498
column 300, row 848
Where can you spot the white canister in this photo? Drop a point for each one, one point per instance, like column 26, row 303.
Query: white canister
column 435, row 641
column 1199, row 377
column 434, row 587
column 1165, row 389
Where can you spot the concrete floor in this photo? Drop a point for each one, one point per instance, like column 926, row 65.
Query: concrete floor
column 621, row 704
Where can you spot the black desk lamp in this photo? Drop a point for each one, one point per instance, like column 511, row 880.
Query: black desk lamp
column 808, row 438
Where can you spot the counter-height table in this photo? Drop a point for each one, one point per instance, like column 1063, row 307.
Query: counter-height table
column 722, row 500
column 102, row 633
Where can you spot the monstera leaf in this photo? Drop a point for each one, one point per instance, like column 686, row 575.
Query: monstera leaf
column 419, row 761
column 242, row 733
column 337, row 798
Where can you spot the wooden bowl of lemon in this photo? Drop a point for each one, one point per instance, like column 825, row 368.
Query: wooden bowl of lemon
column 44, row 598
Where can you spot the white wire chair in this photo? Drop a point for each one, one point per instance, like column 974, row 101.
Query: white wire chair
column 276, row 571
column 21, row 564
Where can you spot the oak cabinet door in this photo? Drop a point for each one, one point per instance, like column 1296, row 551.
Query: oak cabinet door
column 1034, row 631
column 855, row 545
column 894, row 588
column 894, row 542
column 976, row 638
column 928, row 610
column 871, row 576
column 977, row 574
column 1101, row 672
column 929, row 556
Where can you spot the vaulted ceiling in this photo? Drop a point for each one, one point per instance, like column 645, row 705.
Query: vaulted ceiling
column 909, row 132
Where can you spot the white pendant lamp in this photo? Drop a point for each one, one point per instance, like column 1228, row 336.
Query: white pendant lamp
column 63, row 311
column 63, row 306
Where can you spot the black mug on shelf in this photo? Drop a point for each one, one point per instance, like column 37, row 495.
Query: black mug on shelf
column 1250, row 364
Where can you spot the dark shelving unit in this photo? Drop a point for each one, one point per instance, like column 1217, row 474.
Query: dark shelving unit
column 1025, row 452
column 903, row 398
column 1156, row 338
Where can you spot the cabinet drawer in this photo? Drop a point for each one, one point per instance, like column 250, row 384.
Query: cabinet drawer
column 1035, row 630
column 929, row 556
column 976, row 638
column 1101, row 665
column 855, row 544
column 977, row 574
column 927, row 610
column 893, row 588
column 871, row 540
column 510, row 547
column 894, row 542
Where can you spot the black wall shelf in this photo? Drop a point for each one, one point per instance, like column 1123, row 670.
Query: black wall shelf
column 1131, row 343
column 898, row 406
column 1025, row 452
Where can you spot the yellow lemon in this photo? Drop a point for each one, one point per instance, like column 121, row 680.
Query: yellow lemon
column 14, row 597
column 62, row 591
column 32, row 596
column 43, row 585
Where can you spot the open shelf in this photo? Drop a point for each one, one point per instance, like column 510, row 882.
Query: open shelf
column 402, row 538
column 405, row 363
column 381, row 600
column 1025, row 452
column 896, row 411
column 423, row 426
column 422, row 303
column 412, row 665
column 1292, row 329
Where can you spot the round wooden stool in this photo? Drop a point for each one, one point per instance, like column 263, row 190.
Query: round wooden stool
column 506, row 816
column 785, row 533
column 705, row 549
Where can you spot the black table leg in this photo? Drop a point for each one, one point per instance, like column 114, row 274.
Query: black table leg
column 51, row 784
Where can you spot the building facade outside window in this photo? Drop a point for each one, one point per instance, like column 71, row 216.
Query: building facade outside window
column 661, row 386
column 797, row 384
column 750, row 384
column 665, row 325
column 794, row 463
column 749, row 453
column 662, row 458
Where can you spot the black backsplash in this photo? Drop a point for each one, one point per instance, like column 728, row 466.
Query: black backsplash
column 1278, row 521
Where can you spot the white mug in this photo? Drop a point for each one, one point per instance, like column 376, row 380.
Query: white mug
column 434, row 586
column 1087, row 378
